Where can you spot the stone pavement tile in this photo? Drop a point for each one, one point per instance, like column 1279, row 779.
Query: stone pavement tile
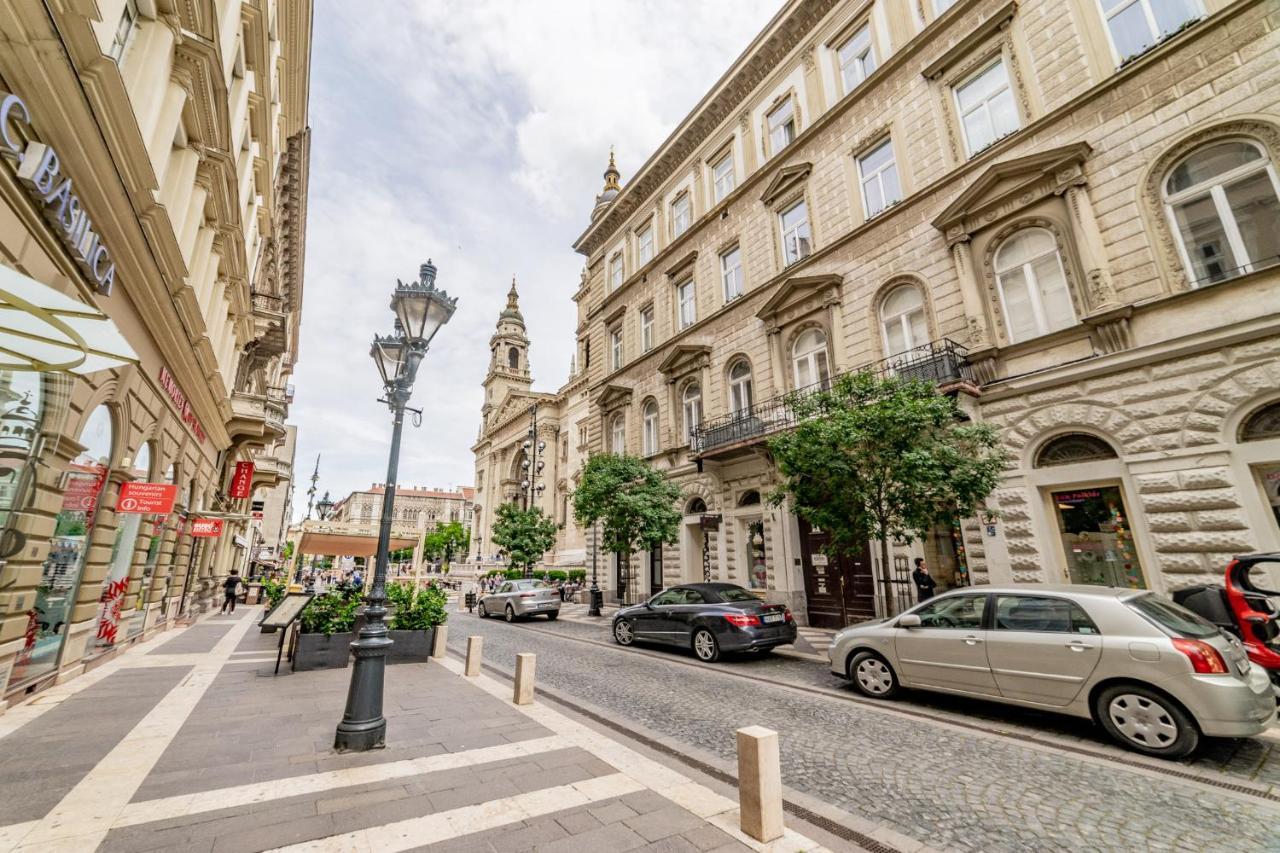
column 136, row 839
column 708, row 837
column 576, row 823
column 259, row 838
column 471, row 794
column 665, row 822
column 674, row 844
column 614, row 838
column 646, row 801
column 612, row 812
column 535, row 780
column 537, row 831
column 377, row 814
column 739, row 847
column 361, row 799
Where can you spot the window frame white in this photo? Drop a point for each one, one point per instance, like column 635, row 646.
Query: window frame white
column 618, row 434
column 615, row 349
column 902, row 319
column 1217, row 192
column 723, row 184
column 1148, row 15
column 681, row 210
column 686, row 296
column 1033, row 286
column 789, row 103
column 691, row 409
column 878, row 176
column 785, row 231
column 958, row 86
column 732, row 279
column 741, row 388
column 617, row 272
column 130, row 22
column 649, row 432
column 644, row 236
column 810, row 358
column 858, row 62
column 646, row 328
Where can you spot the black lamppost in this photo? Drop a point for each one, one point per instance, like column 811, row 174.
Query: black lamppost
column 420, row 311
column 323, row 507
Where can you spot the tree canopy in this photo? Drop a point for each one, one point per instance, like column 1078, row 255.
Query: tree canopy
column 525, row 534
column 447, row 540
column 880, row 457
column 635, row 504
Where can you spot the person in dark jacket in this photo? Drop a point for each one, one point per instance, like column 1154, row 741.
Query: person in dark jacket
column 230, row 589
column 923, row 580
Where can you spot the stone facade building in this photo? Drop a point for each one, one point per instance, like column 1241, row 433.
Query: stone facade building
column 1064, row 212
column 155, row 170
column 413, row 505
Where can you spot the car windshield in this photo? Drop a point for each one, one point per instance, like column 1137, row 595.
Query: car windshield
column 532, row 585
column 735, row 593
column 1171, row 618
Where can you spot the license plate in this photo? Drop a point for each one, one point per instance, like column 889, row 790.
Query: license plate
column 773, row 617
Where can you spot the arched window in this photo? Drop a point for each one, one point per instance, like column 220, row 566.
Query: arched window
column 142, row 462
column 1264, row 423
column 751, row 498
column 1072, row 448
column 1223, row 201
column 692, row 399
column 513, row 358
column 809, row 359
column 1033, row 285
column 902, row 320
column 696, row 506
column 740, row 390
column 618, row 434
column 650, row 434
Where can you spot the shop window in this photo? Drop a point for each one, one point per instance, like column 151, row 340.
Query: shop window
column 740, row 391
column 650, row 431
column 1033, row 285
column 809, row 360
column 1097, row 537
column 757, row 565
column 1136, row 26
column 19, row 425
column 692, row 404
column 902, row 320
column 1223, row 202
column 1072, row 448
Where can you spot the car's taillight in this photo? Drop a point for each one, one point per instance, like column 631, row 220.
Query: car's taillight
column 742, row 620
column 787, row 617
column 528, row 595
column 1204, row 657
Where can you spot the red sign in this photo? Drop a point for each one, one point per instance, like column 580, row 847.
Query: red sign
column 147, row 497
column 180, row 402
column 206, row 527
column 242, row 480
column 82, row 490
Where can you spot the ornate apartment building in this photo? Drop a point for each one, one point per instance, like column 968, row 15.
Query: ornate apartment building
column 155, row 176
column 1066, row 212
column 414, row 506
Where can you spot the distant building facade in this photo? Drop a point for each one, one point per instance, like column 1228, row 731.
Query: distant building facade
column 413, row 507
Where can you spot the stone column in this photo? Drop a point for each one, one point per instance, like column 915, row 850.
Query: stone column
column 971, row 294
column 1101, row 293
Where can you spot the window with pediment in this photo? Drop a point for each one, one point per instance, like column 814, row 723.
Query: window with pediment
column 1031, row 284
column 809, row 360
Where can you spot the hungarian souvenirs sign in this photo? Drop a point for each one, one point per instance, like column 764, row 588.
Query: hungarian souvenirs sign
column 206, row 527
column 147, row 497
column 242, row 480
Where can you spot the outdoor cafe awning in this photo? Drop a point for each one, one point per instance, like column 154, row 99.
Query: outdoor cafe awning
column 347, row 544
column 42, row 329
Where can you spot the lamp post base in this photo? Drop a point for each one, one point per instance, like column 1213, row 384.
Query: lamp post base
column 597, row 601
column 353, row 739
column 363, row 726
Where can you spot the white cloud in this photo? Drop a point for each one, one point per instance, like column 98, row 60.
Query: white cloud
column 474, row 132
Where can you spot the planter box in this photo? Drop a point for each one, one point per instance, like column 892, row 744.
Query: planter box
column 411, row 646
column 316, row 651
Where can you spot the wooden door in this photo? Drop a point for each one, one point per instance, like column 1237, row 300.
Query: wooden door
column 839, row 590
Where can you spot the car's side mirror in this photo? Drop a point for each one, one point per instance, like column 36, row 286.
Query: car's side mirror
column 648, row 605
column 908, row 620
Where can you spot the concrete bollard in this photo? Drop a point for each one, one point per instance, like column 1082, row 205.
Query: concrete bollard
column 441, row 642
column 475, row 646
column 759, row 783
column 525, row 665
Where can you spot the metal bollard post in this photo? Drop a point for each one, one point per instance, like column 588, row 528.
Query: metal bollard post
column 475, row 645
column 759, row 783
column 525, row 665
column 440, row 643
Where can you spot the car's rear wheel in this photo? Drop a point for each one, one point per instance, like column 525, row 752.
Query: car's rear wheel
column 1146, row 721
column 511, row 613
column 872, row 676
column 553, row 615
column 623, row 633
column 705, row 646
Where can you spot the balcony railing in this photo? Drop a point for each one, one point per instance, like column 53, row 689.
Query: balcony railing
column 938, row 361
column 268, row 302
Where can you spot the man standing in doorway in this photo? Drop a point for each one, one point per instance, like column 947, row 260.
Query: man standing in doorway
column 923, row 580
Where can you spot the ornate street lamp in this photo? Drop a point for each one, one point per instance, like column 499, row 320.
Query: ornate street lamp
column 420, row 311
column 324, row 506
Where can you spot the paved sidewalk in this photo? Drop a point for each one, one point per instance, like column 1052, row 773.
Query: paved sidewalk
column 189, row 743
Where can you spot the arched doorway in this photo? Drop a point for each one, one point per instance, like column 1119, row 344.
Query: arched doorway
column 115, row 586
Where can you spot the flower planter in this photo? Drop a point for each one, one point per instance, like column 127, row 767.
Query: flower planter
column 411, row 646
column 316, row 651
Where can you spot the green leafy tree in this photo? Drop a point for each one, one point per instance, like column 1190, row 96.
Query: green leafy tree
column 447, row 540
column 635, row 504
column 525, row 534
column 882, row 457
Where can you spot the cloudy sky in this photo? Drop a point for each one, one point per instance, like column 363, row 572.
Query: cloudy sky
column 475, row 133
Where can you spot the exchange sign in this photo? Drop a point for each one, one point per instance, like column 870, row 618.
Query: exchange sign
column 206, row 527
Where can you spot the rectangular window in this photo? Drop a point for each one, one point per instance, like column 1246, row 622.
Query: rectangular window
column 796, row 238
column 687, row 310
column 1136, row 26
column 615, row 272
column 782, row 126
column 125, row 31
column 644, row 246
column 731, row 273
column 879, row 176
column 646, row 329
column 722, row 177
column 680, row 215
column 615, row 349
column 857, row 58
column 986, row 105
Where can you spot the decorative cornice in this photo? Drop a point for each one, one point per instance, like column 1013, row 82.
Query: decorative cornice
column 979, row 34
column 797, row 288
column 787, row 178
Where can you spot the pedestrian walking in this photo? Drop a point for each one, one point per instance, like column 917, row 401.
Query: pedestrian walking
column 230, row 589
column 923, row 580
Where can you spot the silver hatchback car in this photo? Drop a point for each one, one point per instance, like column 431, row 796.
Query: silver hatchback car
column 521, row 598
column 1155, row 675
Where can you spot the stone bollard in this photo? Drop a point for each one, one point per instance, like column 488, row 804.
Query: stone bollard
column 475, row 645
column 525, row 666
column 441, row 642
column 759, row 783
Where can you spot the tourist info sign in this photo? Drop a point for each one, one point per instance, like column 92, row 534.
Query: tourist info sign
column 289, row 608
column 147, row 497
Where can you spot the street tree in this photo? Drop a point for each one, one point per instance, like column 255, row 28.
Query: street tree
column 447, row 540
column 635, row 504
column 883, row 457
column 525, row 534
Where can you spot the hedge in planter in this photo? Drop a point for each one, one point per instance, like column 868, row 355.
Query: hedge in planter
column 326, row 632
column 416, row 613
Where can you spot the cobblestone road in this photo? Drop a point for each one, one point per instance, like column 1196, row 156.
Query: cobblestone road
column 943, row 786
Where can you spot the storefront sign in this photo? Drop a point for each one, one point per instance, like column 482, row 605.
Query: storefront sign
column 256, row 509
column 180, row 402
column 82, row 491
column 206, row 527
column 147, row 497
column 242, row 481
column 710, row 522
column 39, row 169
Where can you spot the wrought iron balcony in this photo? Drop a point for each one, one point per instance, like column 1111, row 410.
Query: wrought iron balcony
column 940, row 362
